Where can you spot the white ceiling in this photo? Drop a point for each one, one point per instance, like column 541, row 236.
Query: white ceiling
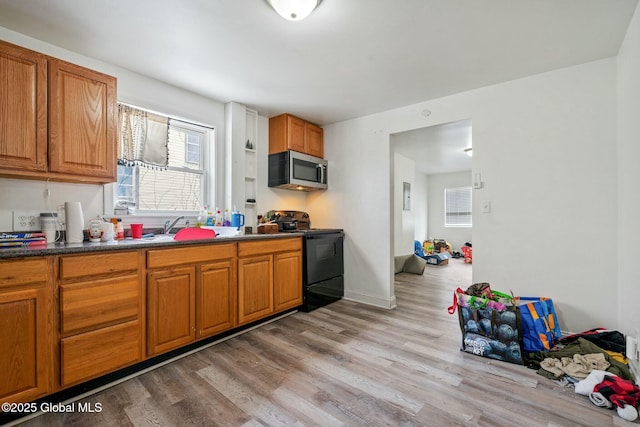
column 348, row 59
column 437, row 149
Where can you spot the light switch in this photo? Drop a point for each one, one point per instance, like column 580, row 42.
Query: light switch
column 486, row 206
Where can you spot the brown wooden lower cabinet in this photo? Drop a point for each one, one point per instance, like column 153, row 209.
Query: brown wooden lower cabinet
column 215, row 298
column 269, row 278
column 98, row 352
column 26, row 355
column 255, row 288
column 100, row 302
column 191, row 294
column 170, row 309
column 287, row 282
column 25, row 330
column 115, row 309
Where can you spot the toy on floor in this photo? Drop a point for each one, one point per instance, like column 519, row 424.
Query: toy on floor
column 468, row 253
column 607, row 390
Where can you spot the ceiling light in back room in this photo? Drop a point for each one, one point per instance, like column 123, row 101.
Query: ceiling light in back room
column 294, row 10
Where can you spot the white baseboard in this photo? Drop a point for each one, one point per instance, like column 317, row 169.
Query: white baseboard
column 371, row 300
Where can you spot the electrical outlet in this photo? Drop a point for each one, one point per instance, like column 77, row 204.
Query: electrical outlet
column 26, row 221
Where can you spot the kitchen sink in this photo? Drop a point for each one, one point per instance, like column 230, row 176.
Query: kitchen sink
column 159, row 238
column 189, row 233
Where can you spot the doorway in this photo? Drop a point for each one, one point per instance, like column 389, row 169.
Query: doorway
column 430, row 160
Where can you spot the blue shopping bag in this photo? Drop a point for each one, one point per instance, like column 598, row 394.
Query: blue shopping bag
column 540, row 328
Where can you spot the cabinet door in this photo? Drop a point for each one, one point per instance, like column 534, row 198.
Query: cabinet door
column 255, row 288
column 82, row 120
column 23, row 109
column 314, row 140
column 295, row 134
column 287, row 282
column 25, row 352
column 216, row 298
column 170, row 309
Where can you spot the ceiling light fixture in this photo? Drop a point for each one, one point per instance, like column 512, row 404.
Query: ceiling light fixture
column 294, row 10
column 468, row 151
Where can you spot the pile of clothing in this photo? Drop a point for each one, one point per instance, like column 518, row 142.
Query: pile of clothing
column 593, row 361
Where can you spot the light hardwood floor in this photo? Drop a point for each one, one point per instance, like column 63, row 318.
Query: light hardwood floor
column 346, row 364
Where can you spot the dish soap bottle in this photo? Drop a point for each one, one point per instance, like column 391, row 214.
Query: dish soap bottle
column 202, row 217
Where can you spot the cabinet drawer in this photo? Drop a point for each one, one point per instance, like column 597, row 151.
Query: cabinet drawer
column 191, row 255
column 262, row 247
column 72, row 267
column 88, row 306
column 95, row 353
column 24, row 272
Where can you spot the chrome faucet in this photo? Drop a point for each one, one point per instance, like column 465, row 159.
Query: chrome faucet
column 168, row 226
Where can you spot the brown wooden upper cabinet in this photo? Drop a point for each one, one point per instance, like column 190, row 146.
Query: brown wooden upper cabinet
column 57, row 121
column 287, row 132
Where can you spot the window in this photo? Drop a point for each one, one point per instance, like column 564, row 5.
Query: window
column 457, row 207
column 181, row 187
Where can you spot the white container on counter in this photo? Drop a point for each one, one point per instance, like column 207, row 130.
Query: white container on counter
column 49, row 223
column 74, row 220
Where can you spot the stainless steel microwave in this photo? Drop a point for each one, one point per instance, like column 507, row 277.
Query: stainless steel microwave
column 297, row 171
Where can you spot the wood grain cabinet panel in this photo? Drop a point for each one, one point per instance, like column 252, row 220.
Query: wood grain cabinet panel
column 189, row 255
column 82, row 120
column 23, row 113
column 101, row 303
column 314, row 138
column 287, row 282
column 25, row 330
column 287, row 132
column 58, row 120
column 98, row 352
column 295, row 134
column 255, row 288
column 263, row 247
column 170, row 309
column 80, row 266
column 215, row 298
column 269, row 277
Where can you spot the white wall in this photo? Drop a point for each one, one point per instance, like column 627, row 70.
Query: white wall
column 421, row 203
column 546, row 148
column 629, row 178
column 457, row 236
column 404, row 220
column 359, row 200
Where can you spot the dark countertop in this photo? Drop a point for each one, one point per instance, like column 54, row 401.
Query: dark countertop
column 129, row 244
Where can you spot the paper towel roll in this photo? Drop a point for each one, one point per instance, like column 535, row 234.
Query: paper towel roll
column 75, row 222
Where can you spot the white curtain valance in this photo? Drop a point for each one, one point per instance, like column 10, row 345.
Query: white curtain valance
column 143, row 138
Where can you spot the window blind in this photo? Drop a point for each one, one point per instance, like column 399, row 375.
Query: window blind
column 457, row 202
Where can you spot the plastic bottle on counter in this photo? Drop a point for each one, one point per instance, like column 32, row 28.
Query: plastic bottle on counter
column 202, row 217
column 218, row 218
column 120, row 230
column 226, row 221
column 210, row 219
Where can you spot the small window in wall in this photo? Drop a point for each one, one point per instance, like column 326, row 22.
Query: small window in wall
column 457, row 207
column 181, row 187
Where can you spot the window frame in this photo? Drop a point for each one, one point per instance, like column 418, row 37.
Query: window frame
column 207, row 155
column 447, row 213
